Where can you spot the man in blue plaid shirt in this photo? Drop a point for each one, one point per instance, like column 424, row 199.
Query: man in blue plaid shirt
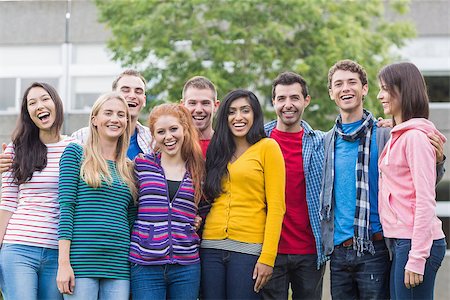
column 300, row 260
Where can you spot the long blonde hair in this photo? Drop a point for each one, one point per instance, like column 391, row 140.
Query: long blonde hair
column 94, row 168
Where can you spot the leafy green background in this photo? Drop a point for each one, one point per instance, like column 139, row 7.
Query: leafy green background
column 247, row 43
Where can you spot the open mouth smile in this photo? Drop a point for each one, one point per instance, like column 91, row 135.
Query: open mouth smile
column 43, row 116
column 113, row 127
column 239, row 125
column 289, row 112
column 346, row 97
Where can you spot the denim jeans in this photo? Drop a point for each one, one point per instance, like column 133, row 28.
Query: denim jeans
column 425, row 290
column 300, row 271
column 227, row 274
column 29, row 272
column 100, row 289
column 165, row 281
column 360, row 277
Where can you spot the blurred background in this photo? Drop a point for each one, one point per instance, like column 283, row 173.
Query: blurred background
column 80, row 46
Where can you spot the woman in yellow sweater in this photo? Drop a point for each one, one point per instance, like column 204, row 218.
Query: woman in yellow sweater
column 245, row 180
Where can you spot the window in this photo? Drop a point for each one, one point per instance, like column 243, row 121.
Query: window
column 12, row 89
column 26, row 82
column 438, row 88
column 85, row 100
column 8, row 94
column 85, row 90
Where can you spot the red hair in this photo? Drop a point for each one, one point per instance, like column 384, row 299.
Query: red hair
column 191, row 151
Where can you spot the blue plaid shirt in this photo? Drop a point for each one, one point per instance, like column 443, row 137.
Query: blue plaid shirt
column 313, row 154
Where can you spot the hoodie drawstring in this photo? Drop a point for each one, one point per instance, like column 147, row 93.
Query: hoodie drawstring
column 386, row 158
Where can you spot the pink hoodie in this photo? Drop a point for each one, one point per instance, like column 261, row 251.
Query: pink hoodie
column 406, row 195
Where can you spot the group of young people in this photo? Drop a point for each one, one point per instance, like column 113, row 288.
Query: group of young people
column 115, row 208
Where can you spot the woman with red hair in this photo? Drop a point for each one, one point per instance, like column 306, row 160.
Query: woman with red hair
column 164, row 252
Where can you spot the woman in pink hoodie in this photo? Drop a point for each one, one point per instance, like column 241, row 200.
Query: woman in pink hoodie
column 407, row 184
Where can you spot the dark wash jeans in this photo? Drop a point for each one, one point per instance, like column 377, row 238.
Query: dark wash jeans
column 298, row 270
column 170, row 281
column 227, row 274
column 360, row 277
column 425, row 290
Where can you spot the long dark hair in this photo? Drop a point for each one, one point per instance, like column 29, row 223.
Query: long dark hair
column 30, row 152
column 222, row 145
column 405, row 82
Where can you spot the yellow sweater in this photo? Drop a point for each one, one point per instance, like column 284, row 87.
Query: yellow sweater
column 252, row 206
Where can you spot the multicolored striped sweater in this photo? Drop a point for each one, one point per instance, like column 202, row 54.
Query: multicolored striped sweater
column 95, row 220
column 163, row 232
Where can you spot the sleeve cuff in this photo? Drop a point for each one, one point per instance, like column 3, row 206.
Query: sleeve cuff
column 267, row 259
column 416, row 265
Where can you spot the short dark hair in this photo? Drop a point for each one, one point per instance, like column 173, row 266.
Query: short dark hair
column 128, row 72
column 288, row 78
column 405, row 82
column 222, row 145
column 348, row 65
column 201, row 83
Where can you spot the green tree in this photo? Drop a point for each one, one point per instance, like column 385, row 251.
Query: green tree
column 246, row 43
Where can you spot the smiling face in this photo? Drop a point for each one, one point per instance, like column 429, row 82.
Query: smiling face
column 41, row 108
column 111, row 120
column 240, row 117
column 132, row 88
column 289, row 104
column 202, row 105
column 169, row 135
column 391, row 104
column 347, row 91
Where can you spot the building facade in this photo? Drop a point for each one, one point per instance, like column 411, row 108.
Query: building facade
column 59, row 42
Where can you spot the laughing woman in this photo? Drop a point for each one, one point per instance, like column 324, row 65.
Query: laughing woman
column 407, row 202
column 164, row 244
column 245, row 178
column 96, row 189
column 29, row 209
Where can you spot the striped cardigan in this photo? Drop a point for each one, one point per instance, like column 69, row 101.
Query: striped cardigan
column 163, row 232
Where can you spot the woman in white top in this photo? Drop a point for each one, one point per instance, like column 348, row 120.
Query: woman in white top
column 29, row 209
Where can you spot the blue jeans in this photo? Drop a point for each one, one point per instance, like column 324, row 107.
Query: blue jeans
column 29, row 272
column 100, row 289
column 425, row 290
column 300, row 271
column 227, row 274
column 360, row 277
column 165, row 281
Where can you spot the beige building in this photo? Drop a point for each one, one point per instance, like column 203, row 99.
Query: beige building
column 59, row 42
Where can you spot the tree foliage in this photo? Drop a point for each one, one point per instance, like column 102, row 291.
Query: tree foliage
column 246, row 43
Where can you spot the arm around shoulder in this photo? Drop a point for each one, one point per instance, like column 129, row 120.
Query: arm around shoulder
column 6, row 158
